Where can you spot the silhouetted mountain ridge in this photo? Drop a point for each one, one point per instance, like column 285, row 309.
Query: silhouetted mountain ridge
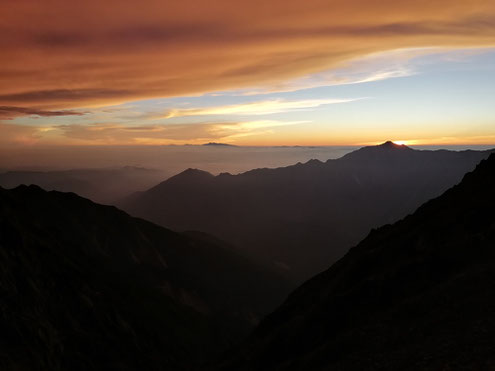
column 415, row 295
column 105, row 185
column 215, row 144
column 303, row 217
column 189, row 175
column 85, row 286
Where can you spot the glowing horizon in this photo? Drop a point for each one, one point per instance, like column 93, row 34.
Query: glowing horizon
column 318, row 73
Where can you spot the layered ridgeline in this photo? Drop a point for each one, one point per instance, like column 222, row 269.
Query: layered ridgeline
column 304, row 217
column 100, row 185
column 85, row 286
column 415, row 295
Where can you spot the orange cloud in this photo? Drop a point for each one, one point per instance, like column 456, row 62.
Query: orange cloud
column 7, row 112
column 119, row 134
column 13, row 135
column 58, row 54
column 256, row 108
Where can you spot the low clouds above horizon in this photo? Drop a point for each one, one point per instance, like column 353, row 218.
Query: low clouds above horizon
column 119, row 134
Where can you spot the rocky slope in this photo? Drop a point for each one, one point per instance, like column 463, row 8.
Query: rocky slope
column 415, row 295
column 85, row 286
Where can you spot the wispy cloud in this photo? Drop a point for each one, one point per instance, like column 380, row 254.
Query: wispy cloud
column 9, row 112
column 15, row 135
column 253, row 125
column 266, row 107
column 370, row 68
column 116, row 133
column 170, row 133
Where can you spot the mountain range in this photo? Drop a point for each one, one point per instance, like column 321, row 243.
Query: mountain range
column 302, row 218
column 415, row 295
column 87, row 287
column 104, row 185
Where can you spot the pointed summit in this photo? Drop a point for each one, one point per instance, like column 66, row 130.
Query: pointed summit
column 195, row 173
column 386, row 149
column 189, row 177
column 391, row 145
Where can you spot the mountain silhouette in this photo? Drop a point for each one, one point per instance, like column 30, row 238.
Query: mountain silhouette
column 302, row 218
column 215, row 144
column 105, row 185
column 415, row 295
column 87, row 287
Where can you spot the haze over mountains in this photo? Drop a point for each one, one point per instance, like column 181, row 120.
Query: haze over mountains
column 105, row 185
column 107, row 175
column 415, row 295
column 169, row 159
column 302, row 218
column 85, row 286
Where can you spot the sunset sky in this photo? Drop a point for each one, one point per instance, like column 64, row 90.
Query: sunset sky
column 271, row 72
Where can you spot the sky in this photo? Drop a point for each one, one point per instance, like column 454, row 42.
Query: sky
column 256, row 73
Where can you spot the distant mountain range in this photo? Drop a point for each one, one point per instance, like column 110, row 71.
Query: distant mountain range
column 100, row 185
column 87, row 287
column 415, row 295
column 304, row 217
column 215, row 144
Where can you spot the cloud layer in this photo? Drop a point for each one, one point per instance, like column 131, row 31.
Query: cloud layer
column 7, row 112
column 119, row 134
column 59, row 54
column 266, row 107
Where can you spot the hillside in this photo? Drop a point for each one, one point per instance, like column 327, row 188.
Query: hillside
column 304, row 217
column 415, row 295
column 86, row 286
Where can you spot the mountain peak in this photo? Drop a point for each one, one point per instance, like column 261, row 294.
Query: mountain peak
column 391, row 145
column 187, row 177
column 404, row 277
column 191, row 176
column 386, row 149
column 193, row 171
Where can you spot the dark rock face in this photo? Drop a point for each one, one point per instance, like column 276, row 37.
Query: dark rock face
column 415, row 295
column 302, row 218
column 87, row 287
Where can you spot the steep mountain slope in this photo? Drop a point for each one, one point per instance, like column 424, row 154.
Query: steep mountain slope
column 85, row 286
column 415, row 295
column 302, row 218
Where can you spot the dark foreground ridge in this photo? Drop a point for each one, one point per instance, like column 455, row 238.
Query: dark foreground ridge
column 87, row 287
column 415, row 295
column 302, row 218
